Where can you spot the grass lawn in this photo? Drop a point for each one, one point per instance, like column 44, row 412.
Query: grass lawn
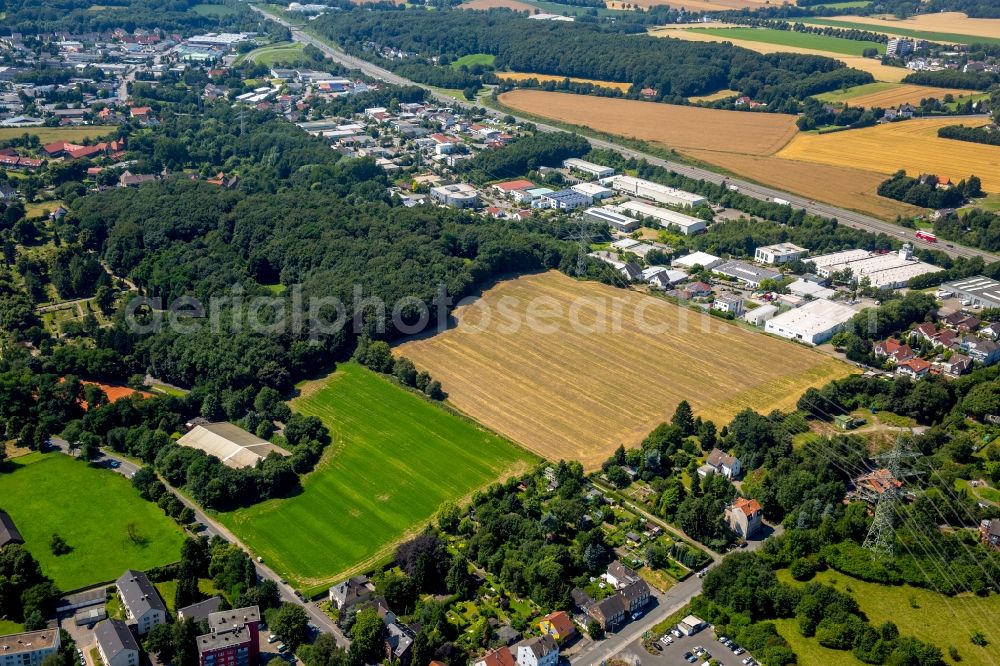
column 929, row 616
column 802, row 40
column 394, row 459
column 855, row 91
column 273, row 54
column 8, row 627
column 168, row 590
column 91, row 509
column 218, row 11
column 50, row 134
column 37, row 208
column 809, row 651
column 946, row 37
column 485, row 59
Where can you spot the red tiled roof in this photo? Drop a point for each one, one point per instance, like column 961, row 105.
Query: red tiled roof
column 511, row 185
column 561, row 622
column 499, row 657
column 747, row 506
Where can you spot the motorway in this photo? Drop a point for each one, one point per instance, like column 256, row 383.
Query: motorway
column 213, row 528
column 846, row 217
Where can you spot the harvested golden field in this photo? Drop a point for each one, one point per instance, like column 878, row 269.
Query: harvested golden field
column 846, row 187
column 677, row 127
column 743, row 143
column 886, row 95
column 573, row 369
column 689, row 5
column 956, row 22
column 871, row 65
column 523, row 76
column 717, row 95
column 912, row 145
column 491, row 4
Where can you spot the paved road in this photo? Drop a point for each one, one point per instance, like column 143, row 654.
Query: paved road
column 213, row 528
column 847, row 217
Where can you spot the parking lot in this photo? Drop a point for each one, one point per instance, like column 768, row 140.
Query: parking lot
column 673, row 654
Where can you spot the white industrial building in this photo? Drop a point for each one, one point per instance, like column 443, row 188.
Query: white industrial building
column 978, row 290
column 687, row 224
column 760, row 314
column 805, row 288
column 746, row 273
column 824, row 260
column 814, row 323
column 614, row 220
column 589, row 168
column 593, row 190
column 654, row 191
column 891, row 270
column 779, row 253
column 703, row 259
column 461, row 195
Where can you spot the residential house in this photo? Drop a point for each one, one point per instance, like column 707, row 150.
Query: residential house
column 698, row 289
column 129, row 179
column 631, row 271
column 989, row 532
column 893, row 351
column 397, row 643
column 986, row 352
column 508, row 635
column 724, row 464
column 745, row 516
column 558, row 625
column 608, row 612
column 115, row 644
column 991, row 331
column 7, row 192
column 957, row 365
column 729, row 303
column 350, row 592
column 142, row 603
column 28, row 648
column 8, row 531
column 502, row 656
column 635, row 595
column 914, row 368
column 200, row 611
column 926, row 331
column 620, row 575
column 537, row 651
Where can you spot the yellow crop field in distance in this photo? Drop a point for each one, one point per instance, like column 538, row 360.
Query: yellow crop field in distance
column 541, row 78
column 912, row 145
column 584, row 380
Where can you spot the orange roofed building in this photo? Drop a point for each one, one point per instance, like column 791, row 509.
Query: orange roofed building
column 745, row 516
column 558, row 625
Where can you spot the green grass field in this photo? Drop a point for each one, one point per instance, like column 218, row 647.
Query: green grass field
column 931, row 617
column 275, row 54
column 485, row 59
column 91, row 509
column 809, row 651
column 168, row 590
column 8, row 627
column 856, row 91
column 933, row 36
column 219, row 11
column 50, row 134
column 796, row 39
column 394, row 459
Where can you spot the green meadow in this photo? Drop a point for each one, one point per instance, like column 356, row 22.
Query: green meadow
column 395, row 458
column 802, row 40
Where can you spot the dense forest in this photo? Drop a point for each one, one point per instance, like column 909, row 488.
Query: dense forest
column 977, row 227
column 673, row 68
column 971, row 134
column 33, row 17
column 950, row 78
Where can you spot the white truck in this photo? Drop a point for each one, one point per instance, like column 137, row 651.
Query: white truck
column 733, row 188
column 783, row 202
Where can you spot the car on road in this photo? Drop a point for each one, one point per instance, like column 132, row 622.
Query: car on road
column 282, row 648
column 114, row 464
column 272, row 638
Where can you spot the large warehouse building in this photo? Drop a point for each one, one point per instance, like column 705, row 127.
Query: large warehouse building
column 646, row 189
column 233, row 445
column 891, row 270
column 614, row 220
column 814, row 323
column 687, row 224
column 979, row 290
